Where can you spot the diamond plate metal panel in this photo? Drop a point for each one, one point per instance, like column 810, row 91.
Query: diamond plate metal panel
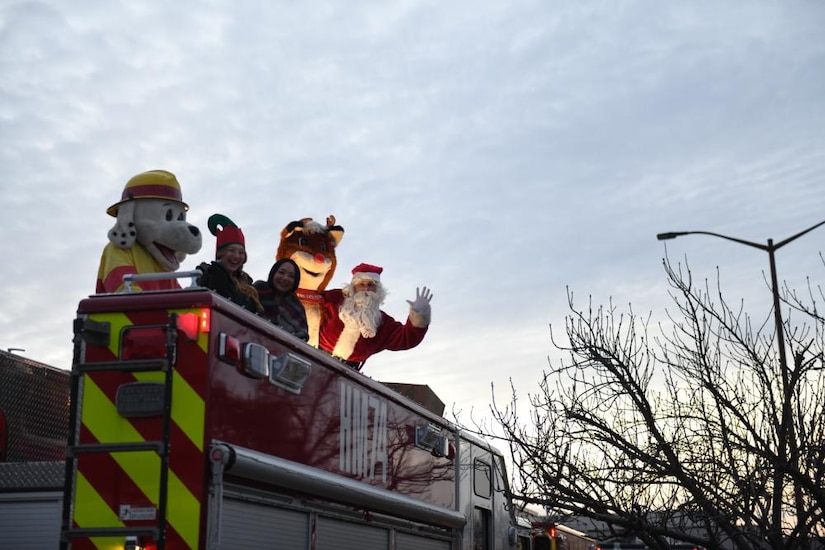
column 27, row 476
column 34, row 410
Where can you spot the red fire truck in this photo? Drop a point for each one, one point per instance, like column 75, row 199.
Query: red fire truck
column 195, row 424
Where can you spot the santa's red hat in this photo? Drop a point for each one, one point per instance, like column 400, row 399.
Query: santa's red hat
column 367, row 271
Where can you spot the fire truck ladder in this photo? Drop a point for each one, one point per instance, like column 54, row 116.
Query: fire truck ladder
column 158, row 395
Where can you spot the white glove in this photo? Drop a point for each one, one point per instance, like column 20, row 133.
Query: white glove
column 420, row 307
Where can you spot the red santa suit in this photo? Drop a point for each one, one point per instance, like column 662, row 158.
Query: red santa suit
column 347, row 342
column 354, row 348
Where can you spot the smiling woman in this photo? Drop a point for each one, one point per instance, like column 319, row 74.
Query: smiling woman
column 225, row 275
column 280, row 303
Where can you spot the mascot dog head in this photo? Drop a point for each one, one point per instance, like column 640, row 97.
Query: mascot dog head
column 152, row 213
column 312, row 246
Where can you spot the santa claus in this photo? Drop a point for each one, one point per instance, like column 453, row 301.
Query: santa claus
column 354, row 327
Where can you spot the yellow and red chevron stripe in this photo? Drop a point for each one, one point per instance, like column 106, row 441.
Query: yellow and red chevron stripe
column 106, row 482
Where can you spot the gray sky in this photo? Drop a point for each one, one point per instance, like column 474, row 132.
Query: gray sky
column 497, row 152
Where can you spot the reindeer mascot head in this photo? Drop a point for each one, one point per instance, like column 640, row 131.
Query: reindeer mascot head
column 150, row 235
column 312, row 246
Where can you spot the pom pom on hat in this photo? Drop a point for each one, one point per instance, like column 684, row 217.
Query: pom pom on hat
column 226, row 231
column 367, row 271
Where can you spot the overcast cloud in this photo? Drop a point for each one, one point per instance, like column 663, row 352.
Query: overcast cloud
column 497, row 152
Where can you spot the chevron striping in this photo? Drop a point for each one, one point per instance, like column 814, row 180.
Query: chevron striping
column 107, row 426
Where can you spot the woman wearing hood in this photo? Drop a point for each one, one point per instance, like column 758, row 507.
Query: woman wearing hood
column 281, row 305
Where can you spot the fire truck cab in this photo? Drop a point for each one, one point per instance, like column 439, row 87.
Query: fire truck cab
column 195, row 424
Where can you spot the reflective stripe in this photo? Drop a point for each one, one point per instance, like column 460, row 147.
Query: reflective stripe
column 94, row 512
column 143, row 468
column 100, row 418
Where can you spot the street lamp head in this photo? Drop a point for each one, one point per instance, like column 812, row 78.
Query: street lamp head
column 671, row 235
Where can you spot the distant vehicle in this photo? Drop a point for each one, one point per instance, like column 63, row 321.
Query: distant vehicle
column 640, row 546
column 553, row 536
column 524, row 534
column 621, row 546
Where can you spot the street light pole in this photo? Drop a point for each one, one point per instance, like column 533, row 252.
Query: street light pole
column 785, row 423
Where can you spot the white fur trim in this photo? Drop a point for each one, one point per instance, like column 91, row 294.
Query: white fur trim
column 313, row 313
column 366, row 275
column 346, row 343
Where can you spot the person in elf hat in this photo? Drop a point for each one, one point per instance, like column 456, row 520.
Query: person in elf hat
column 277, row 295
column 354, row 327
column 225, row 275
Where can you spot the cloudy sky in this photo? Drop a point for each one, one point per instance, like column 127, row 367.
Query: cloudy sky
column 496, row 152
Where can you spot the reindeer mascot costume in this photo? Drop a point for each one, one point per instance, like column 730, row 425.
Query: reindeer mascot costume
column 312, row 246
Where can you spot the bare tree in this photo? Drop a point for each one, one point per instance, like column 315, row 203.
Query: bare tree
column 676, row 436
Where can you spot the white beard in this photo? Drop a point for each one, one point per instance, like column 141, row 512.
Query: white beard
column 361, row 312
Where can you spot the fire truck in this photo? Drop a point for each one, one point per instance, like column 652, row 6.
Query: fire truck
column 194, row 424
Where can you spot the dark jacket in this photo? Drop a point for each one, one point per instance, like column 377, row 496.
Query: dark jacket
column 283, row 309
column 216, row 277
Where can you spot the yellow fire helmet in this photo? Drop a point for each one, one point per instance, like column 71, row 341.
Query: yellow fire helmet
column 154, row 184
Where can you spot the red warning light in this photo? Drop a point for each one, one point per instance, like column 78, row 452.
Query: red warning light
column 188, row 324
column 206, row 320
column 194, row 323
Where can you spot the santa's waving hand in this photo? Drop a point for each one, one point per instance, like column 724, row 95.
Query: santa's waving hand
column 420, row 307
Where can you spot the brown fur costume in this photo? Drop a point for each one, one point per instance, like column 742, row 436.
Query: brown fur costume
column 312, row 246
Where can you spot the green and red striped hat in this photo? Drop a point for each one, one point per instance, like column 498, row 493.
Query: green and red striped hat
column 226, row 231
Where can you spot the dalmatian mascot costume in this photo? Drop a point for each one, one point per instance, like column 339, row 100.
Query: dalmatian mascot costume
column 150, row 235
